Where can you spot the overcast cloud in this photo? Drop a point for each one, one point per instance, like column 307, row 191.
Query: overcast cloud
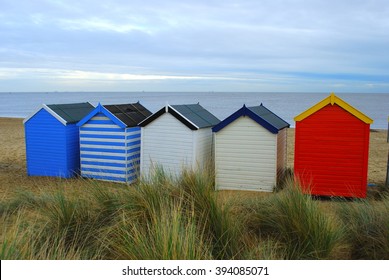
column 54, row 45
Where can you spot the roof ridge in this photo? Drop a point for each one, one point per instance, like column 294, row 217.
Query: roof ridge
column 268, row 110
column 125, row 113
column 245, row 111
column 334, row 99
column 182, row 115
column 141, row 112
column 198, row 114
column 128, row 113
column 57, row 107
column 259, row 116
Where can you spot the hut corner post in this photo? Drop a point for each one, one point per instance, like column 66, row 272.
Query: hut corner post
column 387, row 167
column 387, row 173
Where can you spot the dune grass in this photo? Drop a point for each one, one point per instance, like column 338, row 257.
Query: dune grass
column 295, row 224
column 183, row 217
column 367, row 228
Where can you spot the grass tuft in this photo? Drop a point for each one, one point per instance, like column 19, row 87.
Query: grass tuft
column 367, row 228
column 296, row 221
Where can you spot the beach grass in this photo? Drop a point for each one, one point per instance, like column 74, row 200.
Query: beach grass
column 294, row 223
column 366, row 227
column 183, row 217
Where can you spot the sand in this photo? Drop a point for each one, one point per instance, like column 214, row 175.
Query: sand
column 12, row 153
column 13, row 158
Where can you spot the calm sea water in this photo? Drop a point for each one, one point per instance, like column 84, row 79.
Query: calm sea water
column 221, row 104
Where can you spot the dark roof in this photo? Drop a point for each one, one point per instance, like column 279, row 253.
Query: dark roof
column 72, row 113
column 129, row 114
column 194, row 116
column 197, row 115
column 269, row 116
column 259, row 114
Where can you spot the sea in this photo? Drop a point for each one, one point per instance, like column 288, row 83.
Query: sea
column 222, row 104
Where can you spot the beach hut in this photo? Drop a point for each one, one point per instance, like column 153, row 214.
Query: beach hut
column 332, row 149
column 52, row 139
column 250, row 150
column 177, row 136
column 110, row 142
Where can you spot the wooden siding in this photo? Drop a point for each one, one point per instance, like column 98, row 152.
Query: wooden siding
column 281, row 153
column 203, row 147
column 47, row 153
column 168, row 143
column 109, row 152
column 331, row 153
column 245, row 157
column 73, row 147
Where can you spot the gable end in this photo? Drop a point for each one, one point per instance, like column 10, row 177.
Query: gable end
column 333, row 99
column 103, row 110
column 174, row 113
column 244, row 111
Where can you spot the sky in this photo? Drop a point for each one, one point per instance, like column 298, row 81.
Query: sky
column 194, row 45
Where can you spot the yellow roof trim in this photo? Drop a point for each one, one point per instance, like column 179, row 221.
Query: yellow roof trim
column 333, row 99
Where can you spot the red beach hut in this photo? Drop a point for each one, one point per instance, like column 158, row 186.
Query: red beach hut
column 332, row 149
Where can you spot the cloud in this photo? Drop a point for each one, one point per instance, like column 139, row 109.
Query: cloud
column 65, row 74
column 239, row 40
column 97, row 24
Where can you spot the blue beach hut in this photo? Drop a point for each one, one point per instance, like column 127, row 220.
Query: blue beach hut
column 110, row 142
column 52, row 139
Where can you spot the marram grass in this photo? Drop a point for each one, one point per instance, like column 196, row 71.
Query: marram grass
column 296, row 222
column 183, row 217
column 172, row 235
column 367, row 228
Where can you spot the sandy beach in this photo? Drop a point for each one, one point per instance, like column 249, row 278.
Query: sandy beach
column 13, row 158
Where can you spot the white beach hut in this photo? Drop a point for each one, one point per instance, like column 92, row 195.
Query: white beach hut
column 250, row 150
column 176, row 136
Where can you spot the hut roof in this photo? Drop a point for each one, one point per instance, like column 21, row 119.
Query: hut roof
column 130, row 114
column 194, row 116
column 66, row 113
column 124, row 115
column 260, row 114
column 333, row 99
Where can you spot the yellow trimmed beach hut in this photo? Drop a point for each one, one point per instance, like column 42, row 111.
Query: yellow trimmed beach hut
column 332, row 149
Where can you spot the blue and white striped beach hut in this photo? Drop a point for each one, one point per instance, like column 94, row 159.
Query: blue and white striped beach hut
column 110, row 142
column 52, row 139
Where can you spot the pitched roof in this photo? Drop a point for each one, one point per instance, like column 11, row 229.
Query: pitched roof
column 269, row 116
column 66, row 113
column 260, row 114
column 124, row 115
column 197, row 115
column 194, row 116
column 130, row 114
column 72, row 113
column 333, row 99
